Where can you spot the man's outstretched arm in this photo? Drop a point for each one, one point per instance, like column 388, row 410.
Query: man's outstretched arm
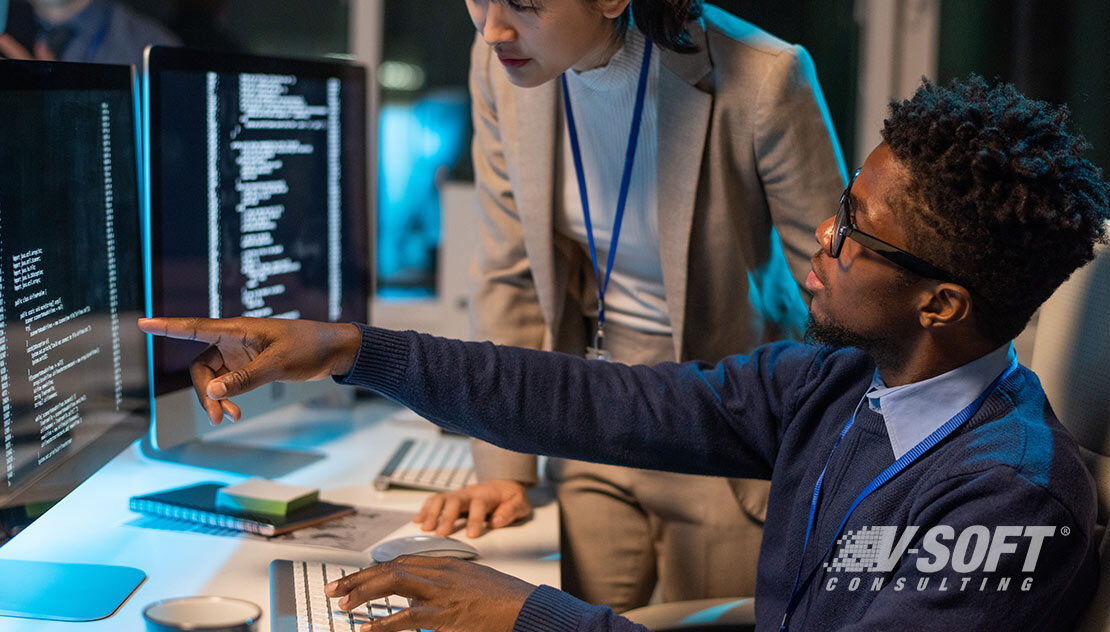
column 694, row 418
column 726, row 419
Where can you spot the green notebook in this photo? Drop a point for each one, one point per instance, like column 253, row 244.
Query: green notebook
column 197, row 503
column 263, row 496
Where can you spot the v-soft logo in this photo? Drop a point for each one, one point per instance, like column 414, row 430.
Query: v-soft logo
column 975, row 549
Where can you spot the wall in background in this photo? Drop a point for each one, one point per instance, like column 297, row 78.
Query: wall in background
column 1055, row 50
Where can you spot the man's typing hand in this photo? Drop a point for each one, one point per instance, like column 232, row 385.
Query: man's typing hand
column 447, row 595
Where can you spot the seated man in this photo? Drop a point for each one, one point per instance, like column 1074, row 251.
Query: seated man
column 919, row 479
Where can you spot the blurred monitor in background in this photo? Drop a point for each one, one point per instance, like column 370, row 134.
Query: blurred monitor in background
column 418, row 143
column 424, row 135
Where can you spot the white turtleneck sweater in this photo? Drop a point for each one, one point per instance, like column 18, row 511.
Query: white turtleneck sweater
column 603, row 100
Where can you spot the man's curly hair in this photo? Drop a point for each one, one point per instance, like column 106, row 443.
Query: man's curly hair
column 999, row 195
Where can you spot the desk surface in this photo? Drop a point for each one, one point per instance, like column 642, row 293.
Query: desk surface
column 94, row 525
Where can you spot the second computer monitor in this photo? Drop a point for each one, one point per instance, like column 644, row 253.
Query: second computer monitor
column 258, row 205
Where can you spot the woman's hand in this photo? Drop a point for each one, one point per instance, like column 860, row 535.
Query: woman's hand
column 502, row 501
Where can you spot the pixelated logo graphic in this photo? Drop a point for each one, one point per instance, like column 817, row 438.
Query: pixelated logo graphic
column 865, row 550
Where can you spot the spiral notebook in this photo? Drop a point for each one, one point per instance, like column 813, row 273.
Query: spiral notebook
column 197, row 504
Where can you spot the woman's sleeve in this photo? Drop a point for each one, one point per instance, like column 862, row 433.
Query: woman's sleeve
column 504, row 305
column 797, row 154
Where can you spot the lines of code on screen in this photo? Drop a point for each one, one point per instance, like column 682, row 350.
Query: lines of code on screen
column 256, row 199
column 275, row 135
column 69, row 270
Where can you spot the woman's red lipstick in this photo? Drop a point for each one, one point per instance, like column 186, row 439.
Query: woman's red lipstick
column 511, row 62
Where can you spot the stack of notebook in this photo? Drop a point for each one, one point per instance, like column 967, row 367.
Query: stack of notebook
column 252, row 507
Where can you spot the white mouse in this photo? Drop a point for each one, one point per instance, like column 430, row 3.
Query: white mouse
column 431, row 545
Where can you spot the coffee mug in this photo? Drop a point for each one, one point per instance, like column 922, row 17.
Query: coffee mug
column 202, row 614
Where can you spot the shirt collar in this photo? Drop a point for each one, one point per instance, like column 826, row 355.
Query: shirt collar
column 912, row 412
column 622, row 70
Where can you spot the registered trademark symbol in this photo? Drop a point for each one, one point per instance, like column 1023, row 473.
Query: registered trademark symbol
column 1065, row 530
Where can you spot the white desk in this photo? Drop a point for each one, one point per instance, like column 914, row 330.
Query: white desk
column 91, row 525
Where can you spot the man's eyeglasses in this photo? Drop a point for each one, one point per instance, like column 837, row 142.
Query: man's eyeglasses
column 845, row 227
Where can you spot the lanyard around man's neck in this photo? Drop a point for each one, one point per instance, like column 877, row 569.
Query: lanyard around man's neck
column 890, row 472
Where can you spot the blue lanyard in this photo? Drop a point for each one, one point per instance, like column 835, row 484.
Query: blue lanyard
column 98, row 37
column 101, row 34
column 626, row 178
column 890, row 472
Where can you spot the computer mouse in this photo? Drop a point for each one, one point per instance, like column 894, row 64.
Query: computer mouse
column 431, row 545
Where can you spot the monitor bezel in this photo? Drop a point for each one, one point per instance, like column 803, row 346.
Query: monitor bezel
column 65, row 474
column 158, row 59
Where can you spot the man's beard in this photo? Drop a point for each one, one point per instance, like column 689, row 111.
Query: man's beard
column 834, row 334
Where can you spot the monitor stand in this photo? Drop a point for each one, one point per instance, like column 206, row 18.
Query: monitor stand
column 282, row 424
column 64, row 592
column 250, row 460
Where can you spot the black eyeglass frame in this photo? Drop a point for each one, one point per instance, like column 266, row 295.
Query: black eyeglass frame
column 845, row 228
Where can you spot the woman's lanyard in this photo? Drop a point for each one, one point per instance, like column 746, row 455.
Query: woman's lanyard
column 890, row 472
column 597, row 351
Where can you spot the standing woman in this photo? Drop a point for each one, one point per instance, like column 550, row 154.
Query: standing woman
column 650, row 174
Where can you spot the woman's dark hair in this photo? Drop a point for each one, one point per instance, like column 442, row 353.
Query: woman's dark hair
column 999, row 194
column 663, row 21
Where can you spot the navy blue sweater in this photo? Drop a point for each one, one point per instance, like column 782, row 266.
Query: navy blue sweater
column 994, row 524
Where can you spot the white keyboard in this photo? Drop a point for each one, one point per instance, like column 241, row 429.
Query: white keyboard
column 438, row 464
column 298, row 602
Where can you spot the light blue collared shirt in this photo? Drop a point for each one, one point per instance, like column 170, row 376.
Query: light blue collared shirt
column 913, row 411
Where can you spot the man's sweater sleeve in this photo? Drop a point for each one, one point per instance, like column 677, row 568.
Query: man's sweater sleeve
column 551, row 610
column 724, row 420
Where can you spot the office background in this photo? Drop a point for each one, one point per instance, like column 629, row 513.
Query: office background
column 866, row 52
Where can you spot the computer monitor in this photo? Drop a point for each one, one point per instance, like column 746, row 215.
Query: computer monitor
column 258, row 207
column 74, row 387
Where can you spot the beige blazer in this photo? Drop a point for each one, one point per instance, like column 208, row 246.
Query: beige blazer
column 748, row 167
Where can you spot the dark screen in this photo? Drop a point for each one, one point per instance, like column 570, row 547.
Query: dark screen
column 72, row 362
column 258, row 204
